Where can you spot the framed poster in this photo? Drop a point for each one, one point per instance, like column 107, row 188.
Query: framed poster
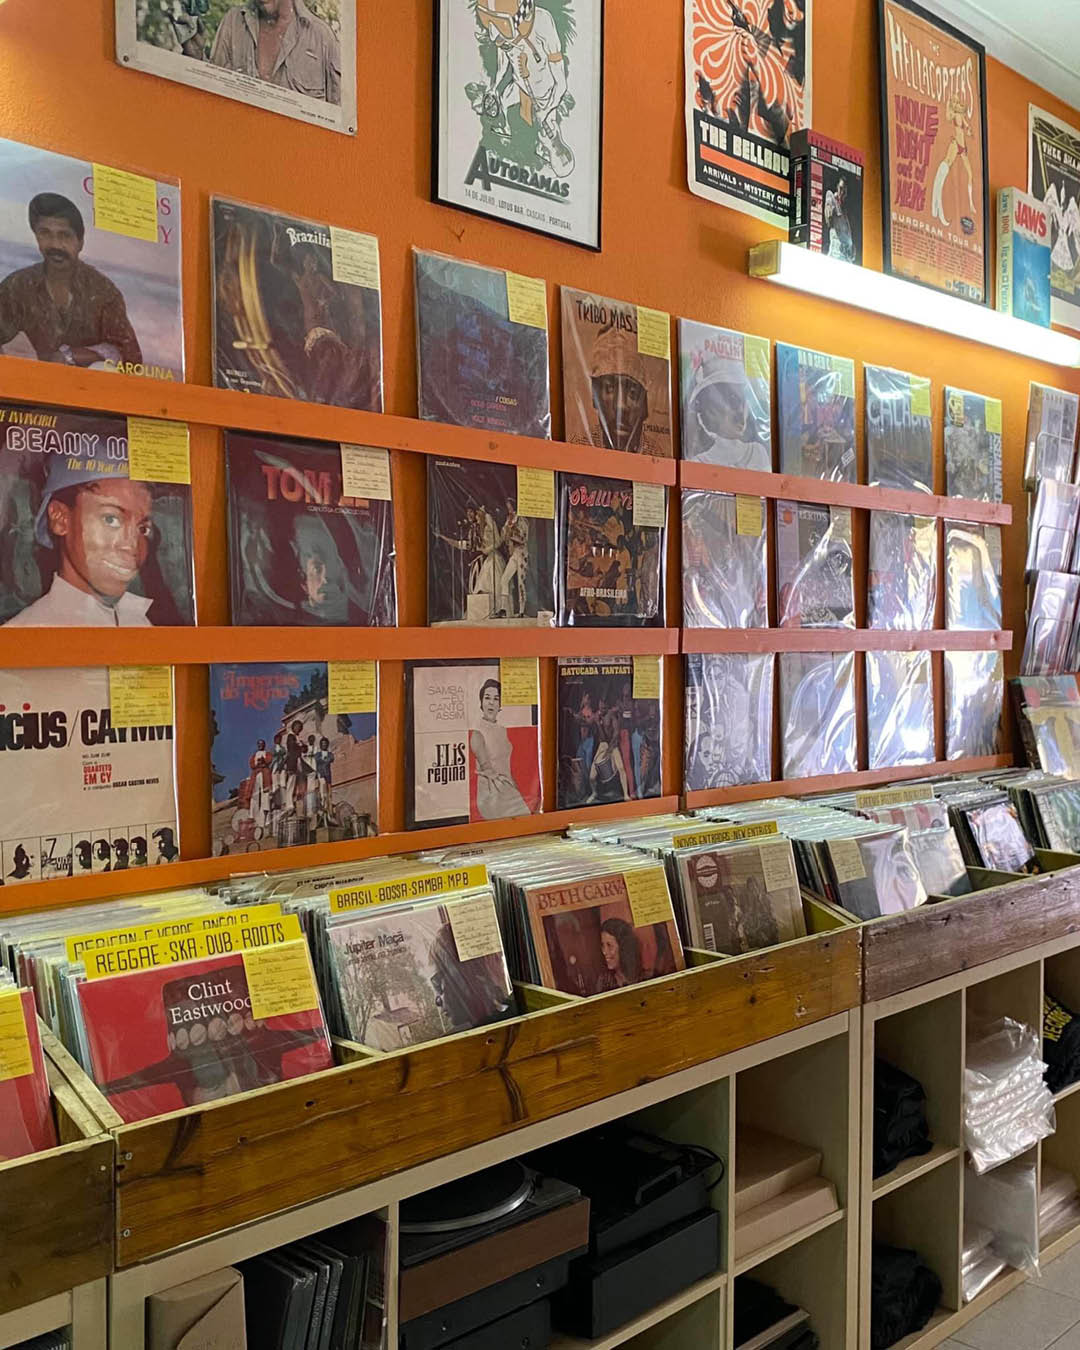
column 296, row 57
column 519, row 113
column 1054, row 177
column 748, row 87
column 935, row 189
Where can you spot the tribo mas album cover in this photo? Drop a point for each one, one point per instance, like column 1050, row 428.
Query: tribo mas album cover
column 816, row 395
column 488, row 561
column 471, row 754
column 300, row 551
column 179, row 1035
column 612, row 568
column 609, row 742
column 297, row 311
column 75, row 290
column 80, row 795
column 285, row 769
column 725, row 388
column 482, row 360
column 81, row 543
column 616, row 376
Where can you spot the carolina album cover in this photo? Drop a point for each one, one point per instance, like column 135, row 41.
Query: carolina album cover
column 729, row 720
column 297, row 309
column 724, row 561
column 81, row 543
column 903, row 583
column 179, row 1035
column 301, row 552
column 75, row 292
column 79, row 794
column 741, row 899
column 616, row 387
column 816, row 396
column 972, row 576
column 587, row 941
column 814, row 566
column 612, row 571
column 401, row 981
column 974, row 699
column 899, row 709
column 284, row 769
column 487, row 562
column 725, row 389
column 471, row 755
column 972, row 445
column 476, row 365
column 609, row 742
column 899, row 430
column 817, row 713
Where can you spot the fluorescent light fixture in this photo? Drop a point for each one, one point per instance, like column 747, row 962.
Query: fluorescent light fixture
column 894, row 298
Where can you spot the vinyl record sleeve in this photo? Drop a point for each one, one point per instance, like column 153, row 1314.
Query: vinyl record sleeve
column 974, row 698
column 476, row 366
column 741, row 899
column 972, row 445
column 729, row 720
column 81, row 543
column 817, row 713
column 611, row 572
column 180, row 1035
column 899, row 430
column 999, row 837
column 284, row 769
column 78, row 794
column 972, row 576
column 725, row 572
column 609, row 742
column 26, row 1120
column 1051, row 435
column 903, row 572
column 588, row 942
column 469, row 755
column 816, row 396
column 1048, row 716
column 301, row 553
column 487, row 564
column 940, row 862
column 814, row 566
column 284, row 323
column 899, row 709
column 1051, row 610
column 126, row 313
column 726, row 397
column 890, row 883
column 401, row 981
column 1053, row 513
column 1059, row 813
column 615, row 394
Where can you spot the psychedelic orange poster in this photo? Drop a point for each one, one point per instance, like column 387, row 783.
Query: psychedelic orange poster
column 935, row 191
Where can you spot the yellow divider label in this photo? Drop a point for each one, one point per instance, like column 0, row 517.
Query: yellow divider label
column 418, row 886
column 162, row 929
column 725, row 834
column 151, row 955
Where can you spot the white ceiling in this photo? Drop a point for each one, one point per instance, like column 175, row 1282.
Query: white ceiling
column 1039, row 38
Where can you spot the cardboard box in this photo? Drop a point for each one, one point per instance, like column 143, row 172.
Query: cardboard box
column 801, row 1205
column 767, row 1165
column 204, row 1314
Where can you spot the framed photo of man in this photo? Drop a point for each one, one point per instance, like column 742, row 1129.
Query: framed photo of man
column 295, row 57
column 519, row 113
column 935, row 185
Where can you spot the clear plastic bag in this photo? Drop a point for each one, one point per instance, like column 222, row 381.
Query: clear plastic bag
column 725, row 569
column 1052, row 517
column 729, row 720
column 817, row 713
column 726, row 397
column 1005, row 1201
column 972, row 576
column 903, row 572
column 981, row 1265
column 974, row 699
column 1051, row 610
column 1007, row 1106
column 899, row 430
column 814, row 566
column 816, row 396
column 972, row 445
column 1051, row 434
column 899, row 709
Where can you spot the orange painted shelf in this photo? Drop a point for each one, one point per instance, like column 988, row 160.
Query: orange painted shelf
column 138, row 881
column 41, row 382
column 713, row 478
column 842, row 640
column 842, row 782
column 40, row 648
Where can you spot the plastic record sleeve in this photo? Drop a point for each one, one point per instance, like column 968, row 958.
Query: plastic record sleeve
column 974, row 697
column 729, row 720
column 899, row 436
column 899, row 709
column 814, row 566
column 972, row 576
column 1051, row 434
column 612, row 571
column 725, row 573
column 817, row 713
column 609, row 742
column 816, row 395
column 726, row 397
column 1051, row 609
column 972, row 451
column 903, row 584
column 1052, row 520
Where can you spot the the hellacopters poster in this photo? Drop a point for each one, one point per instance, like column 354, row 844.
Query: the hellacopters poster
column 1054, row 177
column 518, row 113
column 748, row 87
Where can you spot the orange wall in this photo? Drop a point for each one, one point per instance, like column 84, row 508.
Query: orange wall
column 60, row 88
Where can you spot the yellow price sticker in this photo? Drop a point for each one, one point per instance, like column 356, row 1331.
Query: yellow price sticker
column 756, row 357
column 778, row 866
column 654, row 333
column 158, row 451
column 920, row 395
column 846, row 860
column 526, row 300
column 354, row 258
column 650, row 900
column 845, row 368
column 365, row 472
column 519, row 678
column 280, row 981
column 475, row 927
column 353, row 687
column 749, row 515
column 418, row 886
column 536, row 493
column 650, row 505
column 16, row 1059
column 993, row 416
column 141, row 696
column 125, row 203
column 646, row 677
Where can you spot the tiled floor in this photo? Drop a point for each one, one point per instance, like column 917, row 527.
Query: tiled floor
column 1042, row 1314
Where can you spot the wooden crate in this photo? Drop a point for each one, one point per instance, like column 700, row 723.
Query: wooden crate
column 905, row 951
column 57, row 1230
column 186, row 1175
